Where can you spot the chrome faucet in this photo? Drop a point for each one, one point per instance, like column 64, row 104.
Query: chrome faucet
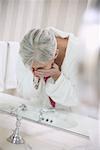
column 16, row 138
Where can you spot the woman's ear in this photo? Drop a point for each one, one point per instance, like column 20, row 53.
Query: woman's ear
column 56, row 54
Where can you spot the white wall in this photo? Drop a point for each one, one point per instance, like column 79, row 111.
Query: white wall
column 19, row 16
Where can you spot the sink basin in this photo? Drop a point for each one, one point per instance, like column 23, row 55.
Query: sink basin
column 44, row 138
column 40, row 136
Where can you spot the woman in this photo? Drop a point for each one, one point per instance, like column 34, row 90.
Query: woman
column 52, row 56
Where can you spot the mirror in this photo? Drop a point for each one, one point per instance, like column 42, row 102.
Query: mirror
column 17, row 80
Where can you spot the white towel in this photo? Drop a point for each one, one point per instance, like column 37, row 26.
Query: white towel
column 3, row 63
column 11, row 79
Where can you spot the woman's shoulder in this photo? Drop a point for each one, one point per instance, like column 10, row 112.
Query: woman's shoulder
column 58, row 32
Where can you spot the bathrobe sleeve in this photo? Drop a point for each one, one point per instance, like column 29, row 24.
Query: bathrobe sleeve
column 64, row 90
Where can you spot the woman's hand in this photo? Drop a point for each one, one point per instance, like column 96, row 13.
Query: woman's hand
column 53, row 72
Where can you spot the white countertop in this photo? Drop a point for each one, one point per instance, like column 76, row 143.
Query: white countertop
column 40, row 137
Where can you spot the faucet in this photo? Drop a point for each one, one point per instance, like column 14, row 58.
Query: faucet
column 16, row 138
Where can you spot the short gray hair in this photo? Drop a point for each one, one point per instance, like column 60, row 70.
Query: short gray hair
column 38, row 45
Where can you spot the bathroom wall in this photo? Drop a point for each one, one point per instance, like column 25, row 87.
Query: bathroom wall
column 19, row 16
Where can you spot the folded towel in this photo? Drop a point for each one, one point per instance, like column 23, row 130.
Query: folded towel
column 3, row 63
column 11, row 79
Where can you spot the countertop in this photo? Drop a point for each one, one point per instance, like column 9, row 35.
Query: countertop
column 40, row 137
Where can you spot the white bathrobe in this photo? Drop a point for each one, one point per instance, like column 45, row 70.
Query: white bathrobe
column 65, row 90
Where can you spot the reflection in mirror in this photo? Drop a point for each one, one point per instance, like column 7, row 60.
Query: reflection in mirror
column 42, row 61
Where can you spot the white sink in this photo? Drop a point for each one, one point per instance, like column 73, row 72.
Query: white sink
column 40, row 137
